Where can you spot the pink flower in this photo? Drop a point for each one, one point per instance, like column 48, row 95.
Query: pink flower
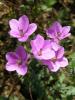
column 16, row 61
column 58, row 61
column 41, row 48
column 57, row 32
column 21, row 29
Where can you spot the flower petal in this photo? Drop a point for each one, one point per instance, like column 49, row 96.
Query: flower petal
column 45, row 54
column 22, row 70
column 52, row 66
column 38, row 43
column 54, row 30
column 48, row 54
column 51, row 32
column 67, row 35
column 56, row 66
column 60, row 53
column 20, row 51
column 31, row 29
column 66, row 29
column 12, row 57
column 65, row 32
column 47, row 44
column 54, row 46
column 63, row 62
column 14, row 33
column 23, row 38
column 23, row 23
column 11, row 67
column 57, row 26
column 48, row 63
column 14, row 24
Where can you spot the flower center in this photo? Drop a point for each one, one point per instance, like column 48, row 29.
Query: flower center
column 54, row 59
column 19, row 62
column 40, row 52
column 58, row 33
column 21, row 33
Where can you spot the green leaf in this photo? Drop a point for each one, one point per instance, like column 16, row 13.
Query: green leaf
column 24, row 7
column 61, row 78
column 13, row 98
column 71, row 91
column 45, row 8
column 3, row 98
column 50, row 2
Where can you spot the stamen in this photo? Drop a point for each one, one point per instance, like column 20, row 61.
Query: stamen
column 40, row 52
column 58, row 33
column 21, row 33
column 54, row 59
column 19, row 62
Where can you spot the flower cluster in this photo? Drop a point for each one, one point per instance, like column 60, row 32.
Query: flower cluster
column 49, row 52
